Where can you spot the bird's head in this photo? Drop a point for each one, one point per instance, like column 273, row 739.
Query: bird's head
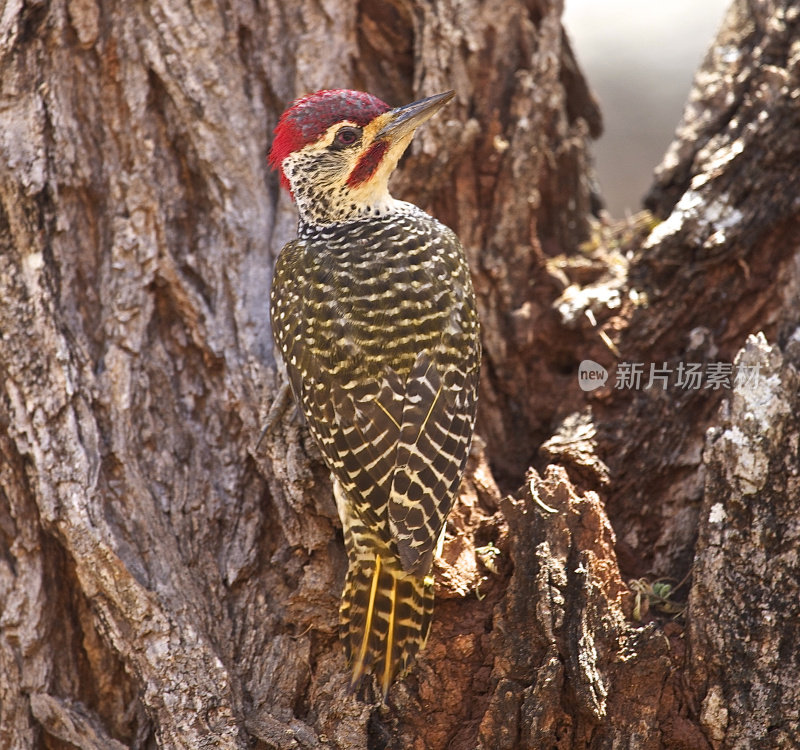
column 336, row 149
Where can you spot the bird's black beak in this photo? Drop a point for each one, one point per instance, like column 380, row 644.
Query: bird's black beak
column 404, row 120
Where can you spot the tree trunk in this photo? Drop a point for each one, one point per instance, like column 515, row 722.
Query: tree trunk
column 166, row 583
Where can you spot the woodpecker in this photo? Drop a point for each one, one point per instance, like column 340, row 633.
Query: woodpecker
column 374, row 315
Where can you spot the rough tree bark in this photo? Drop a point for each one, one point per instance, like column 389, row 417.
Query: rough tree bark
column 165, row 584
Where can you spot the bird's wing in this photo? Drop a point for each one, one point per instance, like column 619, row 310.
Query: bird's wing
column 365, row 434
column 435, row 435
column 354, row 420
column 399, row 450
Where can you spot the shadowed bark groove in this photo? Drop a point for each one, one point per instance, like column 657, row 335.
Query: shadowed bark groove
column 163, row 583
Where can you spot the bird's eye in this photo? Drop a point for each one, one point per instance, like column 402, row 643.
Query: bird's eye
column 346, row 136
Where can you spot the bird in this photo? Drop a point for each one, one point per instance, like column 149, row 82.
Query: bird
column 374, row 317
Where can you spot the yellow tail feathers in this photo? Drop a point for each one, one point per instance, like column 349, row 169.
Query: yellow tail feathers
column 384, row 618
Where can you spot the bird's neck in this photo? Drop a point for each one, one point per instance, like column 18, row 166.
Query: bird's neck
column 343, row 205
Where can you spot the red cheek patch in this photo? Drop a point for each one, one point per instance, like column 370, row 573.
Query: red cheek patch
column 367, row 164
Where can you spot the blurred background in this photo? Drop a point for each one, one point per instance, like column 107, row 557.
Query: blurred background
column 639, row 58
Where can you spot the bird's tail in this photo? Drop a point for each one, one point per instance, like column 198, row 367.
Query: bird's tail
column 384, row 618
